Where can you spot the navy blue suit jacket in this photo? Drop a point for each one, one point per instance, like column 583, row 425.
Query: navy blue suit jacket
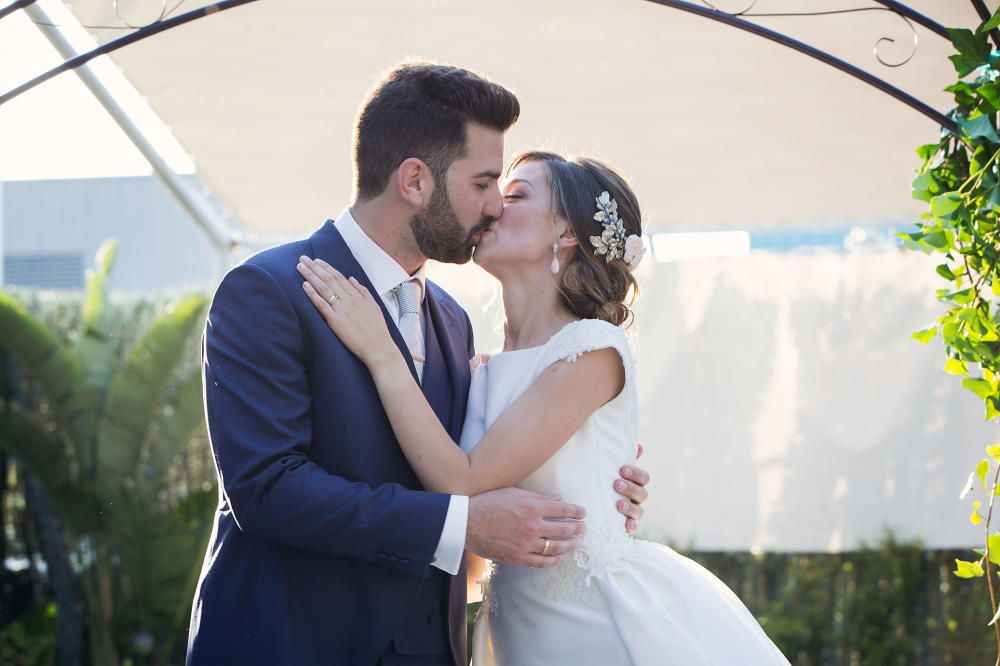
column 323, row 536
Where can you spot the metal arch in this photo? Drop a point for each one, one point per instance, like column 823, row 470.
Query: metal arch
column 14, row 6
column 114, row 45
column 858, row 73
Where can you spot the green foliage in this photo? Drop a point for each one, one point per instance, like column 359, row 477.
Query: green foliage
column 960, row 180
column 30, row 640
column 111, row 411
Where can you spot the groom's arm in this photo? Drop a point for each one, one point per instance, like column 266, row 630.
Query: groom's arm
column 258, row 408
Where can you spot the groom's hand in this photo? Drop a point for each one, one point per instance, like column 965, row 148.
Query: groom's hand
column 632, row 486
column 512, row 525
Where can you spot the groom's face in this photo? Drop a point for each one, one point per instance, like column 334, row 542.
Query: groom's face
column 449, row 228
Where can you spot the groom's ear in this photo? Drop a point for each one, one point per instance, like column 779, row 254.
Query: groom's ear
column 414, row 182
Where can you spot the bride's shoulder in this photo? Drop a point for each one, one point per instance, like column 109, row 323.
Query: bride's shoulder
column 584, row 335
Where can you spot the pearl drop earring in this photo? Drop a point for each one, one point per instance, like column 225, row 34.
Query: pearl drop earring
column 555, row 258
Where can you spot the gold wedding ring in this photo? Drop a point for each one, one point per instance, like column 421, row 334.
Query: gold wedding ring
column 545, row 548
column 333, row 299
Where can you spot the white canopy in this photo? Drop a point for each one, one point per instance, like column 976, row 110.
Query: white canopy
column 716, row 127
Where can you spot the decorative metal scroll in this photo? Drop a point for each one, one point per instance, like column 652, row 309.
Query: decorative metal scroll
column 153, row 28
column 738, row 19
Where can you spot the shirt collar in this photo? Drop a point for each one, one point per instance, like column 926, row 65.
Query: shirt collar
column 384, row 272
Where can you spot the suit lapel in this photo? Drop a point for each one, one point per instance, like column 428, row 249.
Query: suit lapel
column 329, row 245
column 437, row 384
column 444, row 327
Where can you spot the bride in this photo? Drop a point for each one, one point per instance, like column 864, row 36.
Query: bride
column 556, row 411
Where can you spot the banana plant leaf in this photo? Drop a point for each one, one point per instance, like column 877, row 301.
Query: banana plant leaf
column 138, row 390
column 184, row 414
column 43, row 453
column 94, row 346
column 55, row 367
column 160, row 555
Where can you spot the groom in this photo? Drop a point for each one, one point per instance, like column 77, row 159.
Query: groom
column 325, row 549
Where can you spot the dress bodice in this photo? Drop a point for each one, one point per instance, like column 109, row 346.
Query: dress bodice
column 584, row 469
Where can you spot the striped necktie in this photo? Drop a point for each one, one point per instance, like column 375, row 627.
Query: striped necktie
column 408, row 297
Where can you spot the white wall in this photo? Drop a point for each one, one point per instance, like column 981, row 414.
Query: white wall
column 784, row 406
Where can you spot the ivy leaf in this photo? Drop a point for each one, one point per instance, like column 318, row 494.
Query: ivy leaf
column 975, row 518
column 994, row 451
column 936, row 239
column 925, row 335
column 982, row 469
column 979, row 128
column 994, row 548
column 945, row 271
column 959, row 296
column 991, row 93
column 992, row 408
column 973, row 49
column 943, row 205
column 968, row 569
column 927, row 151
column 953, row 366
column 991, row 24
column 980, row 387
column 925, row 186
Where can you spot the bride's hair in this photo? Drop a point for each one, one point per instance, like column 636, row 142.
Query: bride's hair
column 591, row 287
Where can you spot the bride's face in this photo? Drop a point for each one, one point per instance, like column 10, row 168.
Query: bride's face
column 521, row 238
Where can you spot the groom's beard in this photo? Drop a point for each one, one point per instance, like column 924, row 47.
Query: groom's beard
column 440, row 235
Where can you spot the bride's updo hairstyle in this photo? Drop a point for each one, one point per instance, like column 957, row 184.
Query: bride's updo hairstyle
column 591, row 287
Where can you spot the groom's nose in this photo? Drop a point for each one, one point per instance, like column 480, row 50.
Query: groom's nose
column 494, row 206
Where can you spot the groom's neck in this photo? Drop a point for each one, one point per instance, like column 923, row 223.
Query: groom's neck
column 388, row 225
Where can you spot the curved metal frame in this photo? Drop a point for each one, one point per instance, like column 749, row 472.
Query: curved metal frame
column 858, row 73
column 115, row 44
column 706, row 10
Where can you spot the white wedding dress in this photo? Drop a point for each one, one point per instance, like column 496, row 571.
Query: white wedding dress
column 615, row 600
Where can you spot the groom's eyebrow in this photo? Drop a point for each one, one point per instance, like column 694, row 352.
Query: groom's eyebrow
column 495, row 175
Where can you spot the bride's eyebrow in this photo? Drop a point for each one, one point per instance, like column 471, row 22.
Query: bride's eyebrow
column 520, row 180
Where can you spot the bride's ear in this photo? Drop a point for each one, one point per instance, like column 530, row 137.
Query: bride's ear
column 566, row 236
column 414, row 182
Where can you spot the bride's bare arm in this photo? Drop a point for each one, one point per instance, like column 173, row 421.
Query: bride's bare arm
column 527, row 434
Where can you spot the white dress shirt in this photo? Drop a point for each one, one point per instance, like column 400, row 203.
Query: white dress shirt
column 385, row 275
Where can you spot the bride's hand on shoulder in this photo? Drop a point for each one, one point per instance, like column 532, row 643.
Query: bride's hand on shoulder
column 349, row 309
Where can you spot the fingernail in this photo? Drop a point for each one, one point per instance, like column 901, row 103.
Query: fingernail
column 622, row 505
column 620, row 485
column 627, row 473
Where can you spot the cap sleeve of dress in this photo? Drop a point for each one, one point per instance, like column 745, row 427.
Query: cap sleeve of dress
column 584, row 336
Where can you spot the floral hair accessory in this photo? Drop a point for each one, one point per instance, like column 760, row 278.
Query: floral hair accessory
column 612, row 243
column 634, row 251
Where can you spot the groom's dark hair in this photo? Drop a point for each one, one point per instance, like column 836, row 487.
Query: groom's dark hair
column 420, row 110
